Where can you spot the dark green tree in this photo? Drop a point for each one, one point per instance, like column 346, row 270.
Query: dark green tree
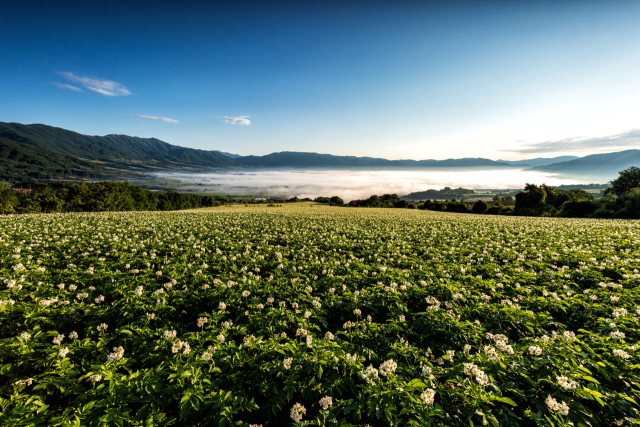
column 495, row 209
column 479, row 207
column 336, row 201
column 628, row 179
column 531, row 201
column 427, row 205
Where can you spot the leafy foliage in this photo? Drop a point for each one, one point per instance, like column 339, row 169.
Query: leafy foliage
column 628, row 180
column 331, row 316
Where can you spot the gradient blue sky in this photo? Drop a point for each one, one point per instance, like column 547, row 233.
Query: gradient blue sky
column 387, row 79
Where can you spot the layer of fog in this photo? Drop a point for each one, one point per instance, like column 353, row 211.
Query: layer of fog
column 358, row 184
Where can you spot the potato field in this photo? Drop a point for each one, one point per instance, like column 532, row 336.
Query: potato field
column 313, row 315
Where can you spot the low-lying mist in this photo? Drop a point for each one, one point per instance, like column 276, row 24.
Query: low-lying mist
column 357, row 184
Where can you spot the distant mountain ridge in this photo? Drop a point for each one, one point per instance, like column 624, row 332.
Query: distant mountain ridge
column 233, row 156
column 295, row 159
column 540, row 161
column 595, row 164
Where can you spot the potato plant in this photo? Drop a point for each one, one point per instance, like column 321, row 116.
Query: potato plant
column 318, row 316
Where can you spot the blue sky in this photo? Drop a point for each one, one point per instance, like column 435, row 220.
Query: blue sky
column 395, row 79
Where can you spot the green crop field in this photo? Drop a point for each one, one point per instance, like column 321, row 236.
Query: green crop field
column 316, row 315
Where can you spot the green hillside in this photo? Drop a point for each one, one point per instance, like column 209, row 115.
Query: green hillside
column 157, row 150
column 19, row 161
column 33, row 144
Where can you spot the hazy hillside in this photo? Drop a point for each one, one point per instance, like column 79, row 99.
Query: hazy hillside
column 233, row 156
column 604, row 166
column 540, row 161
column 445, row 193
column 314, row 160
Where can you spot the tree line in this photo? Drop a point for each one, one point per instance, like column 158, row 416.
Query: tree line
column 621, row 200
column 97, row 197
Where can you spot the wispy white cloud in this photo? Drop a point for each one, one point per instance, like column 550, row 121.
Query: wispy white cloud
column 160, row 119
column 101, row 86
column 241, row 120
column 66, row 86
column 621, row 140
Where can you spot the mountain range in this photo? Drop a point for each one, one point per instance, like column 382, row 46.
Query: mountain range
column 41, row 151
column 540, row 161
column 595, row 165
column 296, row 159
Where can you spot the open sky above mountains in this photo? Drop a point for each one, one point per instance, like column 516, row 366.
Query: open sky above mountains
column 398, row 80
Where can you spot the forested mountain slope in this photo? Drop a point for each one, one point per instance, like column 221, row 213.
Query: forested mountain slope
column 109, row 147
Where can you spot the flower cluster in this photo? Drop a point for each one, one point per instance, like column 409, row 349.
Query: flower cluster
column 472, row 369
column 554, row 406
column 326, row 402
column 297, row 411
column 118, row 353
column 427, row 396
column 181, row 345
column 535, row 350
column 566, row 383
column 369, row 374
column 621, row 354
column 388, row 367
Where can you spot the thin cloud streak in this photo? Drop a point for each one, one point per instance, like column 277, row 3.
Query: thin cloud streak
column 241, row 120
column 66, row 86
column 160, row 119
column 101, row 86
column 621, row 140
